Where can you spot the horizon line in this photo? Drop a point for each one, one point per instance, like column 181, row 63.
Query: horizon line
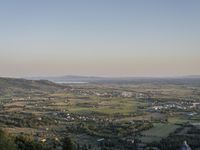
column 100, row 76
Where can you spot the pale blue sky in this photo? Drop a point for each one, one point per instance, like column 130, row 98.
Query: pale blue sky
column 99, row 37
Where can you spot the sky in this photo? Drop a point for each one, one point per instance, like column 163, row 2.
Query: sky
column 99, row 37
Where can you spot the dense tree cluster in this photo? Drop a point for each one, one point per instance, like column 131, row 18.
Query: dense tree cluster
column 27, row 143
column 24, row 142
column 6, row 142
column 29, row 120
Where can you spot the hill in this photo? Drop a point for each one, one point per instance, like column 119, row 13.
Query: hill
column 17, row 86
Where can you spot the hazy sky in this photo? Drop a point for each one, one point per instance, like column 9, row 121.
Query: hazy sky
column 99, row 37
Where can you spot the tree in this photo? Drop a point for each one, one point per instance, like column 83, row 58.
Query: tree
column 27, row 143
column 6, row 142
column 68, row 144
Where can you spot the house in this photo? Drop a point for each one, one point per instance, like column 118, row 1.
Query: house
column 100, row 140
column 185, row 146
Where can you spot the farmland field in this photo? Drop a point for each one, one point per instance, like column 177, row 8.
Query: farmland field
column 159, row 131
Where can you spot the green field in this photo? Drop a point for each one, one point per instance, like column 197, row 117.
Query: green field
column 106, row 106
column 159, row 131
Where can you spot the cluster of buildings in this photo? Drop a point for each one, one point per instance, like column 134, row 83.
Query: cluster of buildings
column 183, row 105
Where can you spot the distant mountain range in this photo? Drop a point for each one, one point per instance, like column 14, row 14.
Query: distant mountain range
column 93, row 79
column 50, row 83
column 193, row 76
